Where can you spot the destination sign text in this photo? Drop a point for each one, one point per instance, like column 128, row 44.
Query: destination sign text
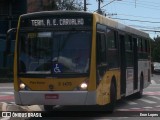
column 57, row 22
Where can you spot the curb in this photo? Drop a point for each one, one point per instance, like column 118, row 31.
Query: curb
column 3, row 106
column 35, row 108
column 12, row 107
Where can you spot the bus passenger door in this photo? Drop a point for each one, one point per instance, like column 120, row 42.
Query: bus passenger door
column 135, row 63
column 122, row 63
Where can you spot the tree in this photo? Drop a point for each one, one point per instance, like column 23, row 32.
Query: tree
column 41, row 5
column 155, row 49
column 69, row 5
column 63, row 5
column 50, row 6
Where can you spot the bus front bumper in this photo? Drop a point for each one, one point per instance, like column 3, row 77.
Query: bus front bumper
column 55, row 97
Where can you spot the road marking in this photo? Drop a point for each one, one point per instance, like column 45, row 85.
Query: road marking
column 158, row 106
column 12, row 103
column 147, row 107
column 7, row 118
column 135, row 108
column 6, row 97
column 153, row 82
column 152, row 93
column 131, row 103
column 158, row 98
column 6, row 87
column 147, row 101
column 119, row 118
column 7, row 93
column 121, row 109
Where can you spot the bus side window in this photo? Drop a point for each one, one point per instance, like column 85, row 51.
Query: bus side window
column 140, row 44
column 112, row 51
column 101, row 55
column 146, row 45
column 101, row 48
column 129, row 51
column 111, row 39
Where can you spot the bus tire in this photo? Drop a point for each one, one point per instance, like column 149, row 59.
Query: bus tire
column 48, row 107
column 113, row 97
column 139, row 94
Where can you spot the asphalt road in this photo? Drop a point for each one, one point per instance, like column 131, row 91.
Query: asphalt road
column 6, row 92
column 126, row 109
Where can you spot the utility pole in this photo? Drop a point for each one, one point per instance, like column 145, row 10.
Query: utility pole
column 85, row 4
column 99, row 6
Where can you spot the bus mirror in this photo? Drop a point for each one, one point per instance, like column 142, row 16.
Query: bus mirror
column 11, row 36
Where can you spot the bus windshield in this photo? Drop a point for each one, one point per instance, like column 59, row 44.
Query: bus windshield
column 51, row 52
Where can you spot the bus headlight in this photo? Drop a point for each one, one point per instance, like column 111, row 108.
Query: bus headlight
column 84, row 86
column 22, row 86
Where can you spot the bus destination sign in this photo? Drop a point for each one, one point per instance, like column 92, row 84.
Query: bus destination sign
column 57, row 22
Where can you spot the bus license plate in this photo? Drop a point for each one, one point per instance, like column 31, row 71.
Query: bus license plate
column 51, row 96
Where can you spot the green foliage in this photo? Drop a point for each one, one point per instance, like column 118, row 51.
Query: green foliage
column 51, row 6
column 155, row 49
column 64, row 5
column 69, row 5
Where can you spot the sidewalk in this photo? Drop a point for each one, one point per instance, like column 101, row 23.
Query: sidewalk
column 12, row 107
column 4, row 107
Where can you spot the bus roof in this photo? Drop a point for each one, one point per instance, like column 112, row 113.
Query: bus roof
column 56, row 12
column 99, row 18
column 117, row 25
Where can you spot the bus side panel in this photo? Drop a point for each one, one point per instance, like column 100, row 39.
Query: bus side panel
column 103, row 90
column 15, row 69
column 143, row 69
column 92, row 82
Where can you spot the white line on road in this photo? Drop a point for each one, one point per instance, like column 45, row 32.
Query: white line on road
column 158, row 98
column 122, row 118
column 131, row 103
column 7, row 93
column 7, row 118
column 153, row 82
column 6, row 87
column 12, row 103
column 135, row 108
column 148, row 107
column 122, row 109
column 147, row 101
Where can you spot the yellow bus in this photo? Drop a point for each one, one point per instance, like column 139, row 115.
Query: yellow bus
column 78, row 58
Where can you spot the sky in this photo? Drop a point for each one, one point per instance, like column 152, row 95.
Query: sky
column 140, row 14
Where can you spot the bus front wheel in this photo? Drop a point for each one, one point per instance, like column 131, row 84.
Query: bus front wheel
column 113, row 97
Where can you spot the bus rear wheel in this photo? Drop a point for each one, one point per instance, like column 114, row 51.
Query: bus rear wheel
column 139, row 94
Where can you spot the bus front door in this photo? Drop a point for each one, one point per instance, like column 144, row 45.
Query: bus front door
column 135, row 63
column 122, row 63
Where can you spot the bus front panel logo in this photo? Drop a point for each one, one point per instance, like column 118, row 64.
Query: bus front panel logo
column 57, row 68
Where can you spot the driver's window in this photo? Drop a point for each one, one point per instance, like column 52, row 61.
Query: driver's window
column 101, row 48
